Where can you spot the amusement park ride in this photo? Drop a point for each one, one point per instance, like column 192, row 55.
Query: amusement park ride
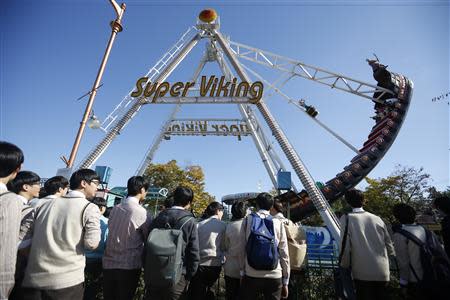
column 391, row 98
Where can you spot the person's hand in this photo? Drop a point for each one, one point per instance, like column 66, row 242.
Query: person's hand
column 284, row 292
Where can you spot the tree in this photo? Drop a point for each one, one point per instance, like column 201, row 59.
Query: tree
column 170, row 175
column 405, row 185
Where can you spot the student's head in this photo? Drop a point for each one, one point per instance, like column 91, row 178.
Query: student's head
column 354, row 198
column 238, row 210
column 443, row 204
column 264, row 201
column 183, row 196
column 213, row 209
column 57, row 185
column 137, row 186
column 85, row 181
column 101, row 203
column 11, row 160
column 168, row 203
column 404, row 213
column 27, row 184
column 276, row 208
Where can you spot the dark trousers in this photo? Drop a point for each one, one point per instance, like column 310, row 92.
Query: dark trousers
column 177, row 292
column 232, row 286
column 119, row 284
column 93, row 276
column 367, row 290
column 70, row 293
column 21, row 264
column 201, row 283
column 270, row 288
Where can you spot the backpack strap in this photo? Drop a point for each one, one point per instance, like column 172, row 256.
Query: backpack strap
column 411, row 237
column 344, row 241
column 82, row 214
column 5, row 193
column 188, row 217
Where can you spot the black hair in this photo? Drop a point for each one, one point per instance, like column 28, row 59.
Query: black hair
column 99, row 201
column 168, row 202
column 212, row 209
column 238, row 210
column 11, row 158
column 52, row 185
column 22, row 178
column 182, row 196
column 135, row 184
column 443, row 203
column 404, row 213
column 82, row 174
column 278, row 206
column 354, row 198
column 264, row 201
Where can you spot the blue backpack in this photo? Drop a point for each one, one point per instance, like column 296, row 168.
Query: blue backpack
column 262, row 252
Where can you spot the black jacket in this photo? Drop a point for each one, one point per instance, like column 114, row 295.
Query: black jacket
column 191, row 253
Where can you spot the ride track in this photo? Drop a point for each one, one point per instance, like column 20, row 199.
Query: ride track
column 391, row 97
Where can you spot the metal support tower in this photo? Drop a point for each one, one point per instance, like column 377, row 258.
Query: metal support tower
column 300, row 169
column 115, row 130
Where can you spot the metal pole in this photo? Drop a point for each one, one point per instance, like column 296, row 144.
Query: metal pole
column 113, row 132
column 318, row 199
column 116, row 27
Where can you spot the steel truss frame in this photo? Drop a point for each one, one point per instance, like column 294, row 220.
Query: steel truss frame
column 128, row 108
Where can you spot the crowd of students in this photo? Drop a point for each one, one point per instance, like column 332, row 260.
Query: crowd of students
column 56, row 239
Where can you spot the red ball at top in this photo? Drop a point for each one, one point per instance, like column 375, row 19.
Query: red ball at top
column 208, row 15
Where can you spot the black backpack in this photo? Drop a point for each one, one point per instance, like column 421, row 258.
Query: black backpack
column 434, row 260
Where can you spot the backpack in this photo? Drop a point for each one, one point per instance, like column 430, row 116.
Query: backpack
column 296, row 238
column 262, row 252
column 434, row 260
column 163, row 257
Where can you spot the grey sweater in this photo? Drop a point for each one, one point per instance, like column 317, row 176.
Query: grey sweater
column 368, row 246
column 63, row 229
column 10, row 219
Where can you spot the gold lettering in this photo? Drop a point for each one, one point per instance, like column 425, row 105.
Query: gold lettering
column 186, row 88
column 175, row 90
column 161, row 90
column 139, row 88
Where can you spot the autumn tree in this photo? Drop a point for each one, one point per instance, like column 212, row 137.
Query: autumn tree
column 404, row 185
column 170, row 175
column 407, row 185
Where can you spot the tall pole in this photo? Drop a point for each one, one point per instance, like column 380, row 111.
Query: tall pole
column 318, row 199
column 116, row 27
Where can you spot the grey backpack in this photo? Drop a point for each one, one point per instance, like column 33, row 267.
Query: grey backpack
column 163, row 258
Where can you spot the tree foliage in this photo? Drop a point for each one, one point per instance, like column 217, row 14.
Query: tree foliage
column 405, row 185
column 170, row 175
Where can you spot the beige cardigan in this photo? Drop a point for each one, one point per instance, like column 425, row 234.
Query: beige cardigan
column 368, row 246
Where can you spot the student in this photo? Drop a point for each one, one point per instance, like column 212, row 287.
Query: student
column 180, row 211
column 231, row 247
column 128, row 227
column 54, row 187
column 270, row 280
column 93, row 270
column 296, row 236
column 366, row 250
column 210, row 235
column 408, row 253
column 27, row 186
column 443, row 205
column 11, row 159
column 64, row 227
